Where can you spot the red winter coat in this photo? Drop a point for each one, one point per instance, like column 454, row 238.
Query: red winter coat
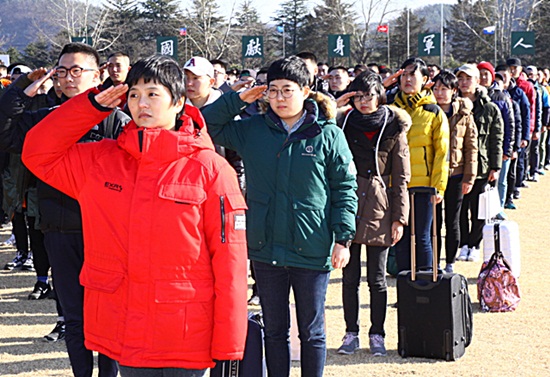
column 164, row 235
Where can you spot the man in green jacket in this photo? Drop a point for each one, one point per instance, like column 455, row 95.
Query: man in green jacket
column 302, row 203
column 490, row 129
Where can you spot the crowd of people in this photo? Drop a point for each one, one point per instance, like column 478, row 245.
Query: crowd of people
column 144, row 188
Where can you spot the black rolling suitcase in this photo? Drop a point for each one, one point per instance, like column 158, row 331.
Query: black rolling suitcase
column 434, row 313
column 253, row 362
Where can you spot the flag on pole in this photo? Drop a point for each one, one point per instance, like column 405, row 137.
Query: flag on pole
column 183, row 31
column 490, row 30
column 382, row 28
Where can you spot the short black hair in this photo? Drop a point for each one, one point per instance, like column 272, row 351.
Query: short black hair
column 118, row 54
column 82, row 48
column 418, row 64
column 291, row 68
column 338, row 67
column 365, row 82
column 502, row 67
column 162, row 70
column 385, row 70
column 219, row 62
column 306, row 55
column 435, row 66
column 448, row 79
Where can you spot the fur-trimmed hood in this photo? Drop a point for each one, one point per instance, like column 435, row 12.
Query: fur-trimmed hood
column 403, row 118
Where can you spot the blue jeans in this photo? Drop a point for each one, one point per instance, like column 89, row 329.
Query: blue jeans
column 503, row 181
column 160, row 372
column 310, row 288
column 423, row 225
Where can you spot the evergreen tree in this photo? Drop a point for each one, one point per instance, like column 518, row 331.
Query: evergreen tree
column 39, row 54
column 158, row 18
column 120, row 31
column 292, row 16
column 399, row 37
column 466, row 30
column 330, row 17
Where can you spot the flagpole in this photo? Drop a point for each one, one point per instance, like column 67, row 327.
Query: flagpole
column 408, row 34
column 389, row 62
column 496, row 27
column 441, row 53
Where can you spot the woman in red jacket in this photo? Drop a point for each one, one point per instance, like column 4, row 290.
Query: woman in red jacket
column 164, row 227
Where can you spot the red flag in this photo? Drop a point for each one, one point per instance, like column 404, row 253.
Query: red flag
column 382, row 28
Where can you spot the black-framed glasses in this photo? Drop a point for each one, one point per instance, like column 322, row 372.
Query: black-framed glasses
column 75, row 71
column 285, row 92
column 363, row 96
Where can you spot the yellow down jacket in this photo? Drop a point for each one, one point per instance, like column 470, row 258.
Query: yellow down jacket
column 428, row 140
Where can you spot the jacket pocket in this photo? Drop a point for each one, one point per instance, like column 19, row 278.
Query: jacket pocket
column 256, row 219
column 182, row 308
column 232, row 207
column 311, row 230
column 182, row 193
column 104, row 305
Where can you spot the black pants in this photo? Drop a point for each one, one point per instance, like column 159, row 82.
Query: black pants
column 453, row 204
column 521, row 168
column 471, row 236
column 534, row 157
column 66, row 253
column 23, row 227
column 376, row 279
column 511, row 179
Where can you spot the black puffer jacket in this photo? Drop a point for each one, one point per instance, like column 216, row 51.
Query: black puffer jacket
column 58, row 212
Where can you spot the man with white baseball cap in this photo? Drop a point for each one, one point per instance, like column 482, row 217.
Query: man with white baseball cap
column 199, row 82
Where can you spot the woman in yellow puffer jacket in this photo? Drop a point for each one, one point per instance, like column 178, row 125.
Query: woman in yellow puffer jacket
column 429, row 144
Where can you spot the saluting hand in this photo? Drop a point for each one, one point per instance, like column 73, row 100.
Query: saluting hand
column 392, row 79
column 252, row 94
column 343, row 100
column 110, row 97
column 39, row 76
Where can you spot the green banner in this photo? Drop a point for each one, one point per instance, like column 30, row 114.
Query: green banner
column 252, row 46
column 429, row 44
column 523, row 43
column 85, row 40
column 339, row 45
column 168, row 46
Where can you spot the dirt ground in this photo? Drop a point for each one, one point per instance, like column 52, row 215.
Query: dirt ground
column 504, row 344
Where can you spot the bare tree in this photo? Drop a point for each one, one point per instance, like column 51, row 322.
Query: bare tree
column 373, row 12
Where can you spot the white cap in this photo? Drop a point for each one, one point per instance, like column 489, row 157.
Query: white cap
column 20, row 69
column 200, row 66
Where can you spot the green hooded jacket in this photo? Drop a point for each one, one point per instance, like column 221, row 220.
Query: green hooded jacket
column 300, row 187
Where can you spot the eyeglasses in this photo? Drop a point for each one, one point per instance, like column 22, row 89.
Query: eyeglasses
column 364, row 96
column 285, row 92
column 75, row 71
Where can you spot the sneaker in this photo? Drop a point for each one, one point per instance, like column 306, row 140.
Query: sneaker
column 58, row 332
column 17, row 262
column 40, row 291
column 516, row 194
column 540, row 171
column 376, row 344
column 10, row 241
column 350, row 344
column 28, row 264
column 547, row 167
column 501, row 216
column 474, row 255
column 449, row 268
column 254, row 300
column 464, row 251
column 524, row 185
column 510, row 205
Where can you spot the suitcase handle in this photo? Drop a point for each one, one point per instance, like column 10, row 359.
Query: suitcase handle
column 433, row 192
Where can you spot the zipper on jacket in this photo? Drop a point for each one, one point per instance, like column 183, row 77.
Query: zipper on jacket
column 222, row 210
column 426, row 162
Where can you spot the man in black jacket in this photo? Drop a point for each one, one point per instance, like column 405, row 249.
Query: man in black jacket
column 60, row 218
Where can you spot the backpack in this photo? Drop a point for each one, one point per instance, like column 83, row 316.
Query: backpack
column 497, row 287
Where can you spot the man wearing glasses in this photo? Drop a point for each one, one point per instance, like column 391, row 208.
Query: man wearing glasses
column 60, row 220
